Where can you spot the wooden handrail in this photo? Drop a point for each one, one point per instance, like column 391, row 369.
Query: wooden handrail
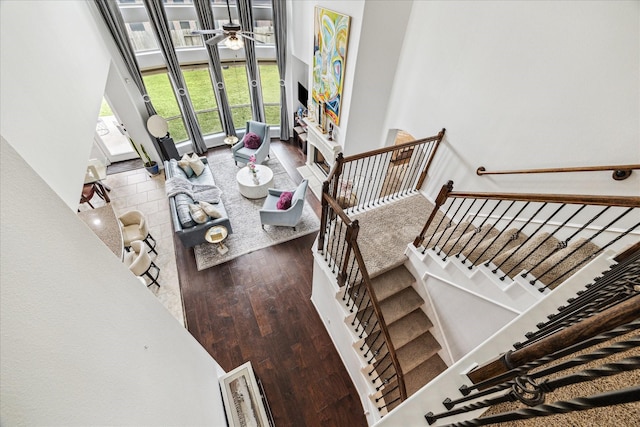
column 620, row 172
column 437, row 138
column 604, row 321
column 383, row 324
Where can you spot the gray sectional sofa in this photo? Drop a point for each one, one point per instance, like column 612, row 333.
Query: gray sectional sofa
column 189, row 232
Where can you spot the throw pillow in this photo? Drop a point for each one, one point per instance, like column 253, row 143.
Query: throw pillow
column 284, row 202
column 210, row 210
column 251, row 140
column 196, row 164
column 198, row 214
column 184, row 165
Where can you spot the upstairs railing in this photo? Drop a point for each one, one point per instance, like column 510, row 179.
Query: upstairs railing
column 361, row 300
column 596, row 326
column 369, row 179
column 544, row 238
column 355, row 183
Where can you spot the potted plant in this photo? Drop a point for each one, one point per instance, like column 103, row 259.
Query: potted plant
column 150, row 165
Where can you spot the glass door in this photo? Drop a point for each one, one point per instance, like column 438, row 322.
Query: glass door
column 109, row 137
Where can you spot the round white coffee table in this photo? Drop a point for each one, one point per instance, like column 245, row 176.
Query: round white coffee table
column 251, row 190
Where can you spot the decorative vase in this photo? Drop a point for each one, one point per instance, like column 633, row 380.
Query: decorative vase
column 254, row 176
column 152, row 168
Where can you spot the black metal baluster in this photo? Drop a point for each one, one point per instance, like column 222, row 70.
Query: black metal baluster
column 451, row 222
column 521, row 244
column 592, row 255
column 590, row 342
column 486, row 264
column 627, row 395
column 500, row 232
column 470, row 224
column 369, row 344
column 445, row 217
column 373, row 180
column 544, row 223
column 479, row 229
column 598, row 354
column 458, row 224
column 560, row 227
column 586, row 311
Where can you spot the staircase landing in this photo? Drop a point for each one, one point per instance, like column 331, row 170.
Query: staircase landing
column 383, row 238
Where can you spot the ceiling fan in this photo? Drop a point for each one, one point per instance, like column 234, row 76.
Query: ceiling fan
column 230, row 33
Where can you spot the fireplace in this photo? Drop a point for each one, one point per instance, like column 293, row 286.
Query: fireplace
column 321, row 162
column 321, row 152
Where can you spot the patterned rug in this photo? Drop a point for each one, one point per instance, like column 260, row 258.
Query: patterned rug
column 248, row 235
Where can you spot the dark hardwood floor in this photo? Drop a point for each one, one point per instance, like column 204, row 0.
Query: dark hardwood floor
column 257, row 308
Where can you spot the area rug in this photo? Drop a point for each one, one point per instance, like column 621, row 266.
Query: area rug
column 248, row 235
column 124, row 166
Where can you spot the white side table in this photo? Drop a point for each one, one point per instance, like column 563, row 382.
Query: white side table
column 250, row 189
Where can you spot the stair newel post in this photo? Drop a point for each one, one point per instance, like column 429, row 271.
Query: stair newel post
column 337, row 174
column 351, row 238
column 442, row 197
column 423, row 175
column 324, row 213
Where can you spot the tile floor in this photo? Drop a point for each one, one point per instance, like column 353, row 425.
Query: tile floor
column 137, row 190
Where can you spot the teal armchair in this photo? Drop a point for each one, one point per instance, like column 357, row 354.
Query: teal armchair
column 241, row 153
column 271, row 215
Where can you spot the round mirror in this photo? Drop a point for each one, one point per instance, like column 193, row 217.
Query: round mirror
column 157, row 126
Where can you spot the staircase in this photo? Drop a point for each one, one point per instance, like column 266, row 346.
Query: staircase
column 479, row 261
column 506, row 264
column 409, row 328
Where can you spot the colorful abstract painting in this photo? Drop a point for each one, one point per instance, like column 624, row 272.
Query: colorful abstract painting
column 330, row 40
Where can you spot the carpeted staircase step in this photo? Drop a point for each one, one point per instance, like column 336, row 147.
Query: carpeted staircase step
column 556, row 266
column 414, row 380
column 392, row 282
column 417, row 351
column 525, row 257
column 423, row 373
column 400, row 304
column 470, row 240
column 490, row 247
column 449, row 235
column 409, row 327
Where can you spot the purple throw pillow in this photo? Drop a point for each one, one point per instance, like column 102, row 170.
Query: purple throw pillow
column 251, row 140
column 284, row 202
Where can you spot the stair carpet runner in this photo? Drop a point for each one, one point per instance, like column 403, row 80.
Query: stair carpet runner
column 409, row 326
column 542, row 255
column 416, row 348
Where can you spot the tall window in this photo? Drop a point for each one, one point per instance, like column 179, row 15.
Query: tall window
column 141, row 37
column 163, row 99
column 235, row 80
column 181, row 34
column 198, row 83
column 270, row 82
column 182, row 18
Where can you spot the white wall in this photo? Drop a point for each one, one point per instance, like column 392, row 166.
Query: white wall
column 374, row 68
column 83, row 342
column 302, row 48
column 52, row 80
column 523, row 85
